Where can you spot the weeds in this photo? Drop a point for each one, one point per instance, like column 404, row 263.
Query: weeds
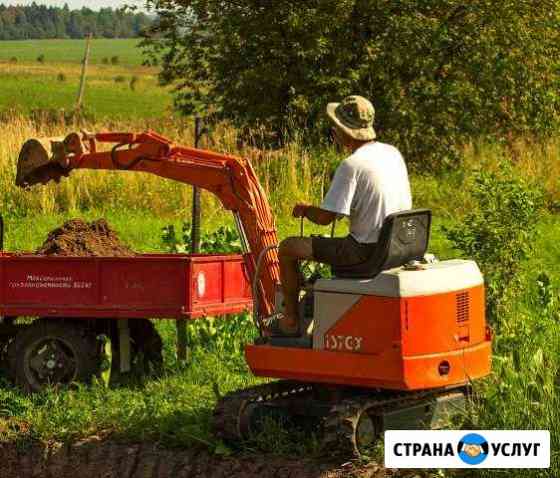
column 223, row 240
column 291, row 174
column 499, row 231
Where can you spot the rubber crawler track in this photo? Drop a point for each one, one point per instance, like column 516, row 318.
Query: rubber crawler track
column 338, row 425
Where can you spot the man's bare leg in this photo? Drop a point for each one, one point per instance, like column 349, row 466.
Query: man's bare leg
column 292, row 250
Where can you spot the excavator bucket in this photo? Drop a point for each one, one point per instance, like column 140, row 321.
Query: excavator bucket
column 37, row 163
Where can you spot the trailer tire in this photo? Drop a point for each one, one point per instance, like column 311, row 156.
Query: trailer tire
column 54, row 353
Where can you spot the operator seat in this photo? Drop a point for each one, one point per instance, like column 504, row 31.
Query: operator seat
column 404, row 237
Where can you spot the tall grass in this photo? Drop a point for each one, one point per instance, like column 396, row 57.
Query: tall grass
column 289, row 174
column 448, row 194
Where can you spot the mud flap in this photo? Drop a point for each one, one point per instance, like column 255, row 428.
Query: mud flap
column 124, row 346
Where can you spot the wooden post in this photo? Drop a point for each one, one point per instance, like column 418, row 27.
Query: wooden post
column 182, row 346
column 85, row 62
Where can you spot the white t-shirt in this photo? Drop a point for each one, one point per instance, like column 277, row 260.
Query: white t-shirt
column 369, row 186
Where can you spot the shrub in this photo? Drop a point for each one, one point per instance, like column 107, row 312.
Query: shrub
column 227, row 337
column 61, row 77
column 119, row 79
column 13, row 59
column 223, row 240
column 499, row 232
column 41, row 58
column 439, row 72
column 105, row 61
column 115, row 60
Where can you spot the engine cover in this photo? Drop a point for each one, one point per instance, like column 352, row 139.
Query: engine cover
column 404, row 330
column 433, row 300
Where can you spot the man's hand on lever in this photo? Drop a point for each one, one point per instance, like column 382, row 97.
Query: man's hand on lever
column 314, row 214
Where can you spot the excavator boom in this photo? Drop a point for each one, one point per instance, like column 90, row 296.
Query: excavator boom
column 230, row 178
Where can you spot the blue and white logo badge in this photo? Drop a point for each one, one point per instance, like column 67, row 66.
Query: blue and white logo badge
column 473, row 449
column 493, row 449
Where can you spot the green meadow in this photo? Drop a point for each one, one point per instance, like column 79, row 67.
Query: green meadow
column 123, row 90
column 72, row 51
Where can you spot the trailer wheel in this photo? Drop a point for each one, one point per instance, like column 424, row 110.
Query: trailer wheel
column 49, row 353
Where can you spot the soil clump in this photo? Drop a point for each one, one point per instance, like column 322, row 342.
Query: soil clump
column 82, row 239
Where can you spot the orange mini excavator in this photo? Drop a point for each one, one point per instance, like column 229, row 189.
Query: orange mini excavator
column 392, row 344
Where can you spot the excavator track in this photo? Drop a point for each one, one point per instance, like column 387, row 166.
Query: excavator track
column 355, row 424
column 231, row 419
column 351, row 424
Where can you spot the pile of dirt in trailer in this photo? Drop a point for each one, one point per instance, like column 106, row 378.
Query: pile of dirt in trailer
column 83, row 239
column 97, row 458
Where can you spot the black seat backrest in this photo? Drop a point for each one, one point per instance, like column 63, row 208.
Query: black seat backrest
column 404, row 237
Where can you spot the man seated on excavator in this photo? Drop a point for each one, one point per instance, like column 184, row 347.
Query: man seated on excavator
column 368, row 186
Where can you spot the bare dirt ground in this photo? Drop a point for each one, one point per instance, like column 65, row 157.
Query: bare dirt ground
column 98, row 458
column 80, row 238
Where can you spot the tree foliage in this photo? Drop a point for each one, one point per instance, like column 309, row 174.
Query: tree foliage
column 440, row 72
column 40, row 22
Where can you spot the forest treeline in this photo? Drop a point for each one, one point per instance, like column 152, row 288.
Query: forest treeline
column 40, row 22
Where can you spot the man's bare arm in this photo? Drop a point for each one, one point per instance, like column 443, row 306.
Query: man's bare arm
column 314, row 214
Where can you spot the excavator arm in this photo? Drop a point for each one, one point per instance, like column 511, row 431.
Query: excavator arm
column 231, row 179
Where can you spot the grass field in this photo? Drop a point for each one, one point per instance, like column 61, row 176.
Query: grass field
column 72, row 51
column 126, row 90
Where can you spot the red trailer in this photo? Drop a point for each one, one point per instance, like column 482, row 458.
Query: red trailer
column 78, row 299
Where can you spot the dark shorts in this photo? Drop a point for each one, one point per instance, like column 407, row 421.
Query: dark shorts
column 341, row 251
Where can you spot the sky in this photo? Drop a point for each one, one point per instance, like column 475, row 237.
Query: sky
column 93, row 4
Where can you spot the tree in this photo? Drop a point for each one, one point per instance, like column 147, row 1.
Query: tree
column 440, row 72
column 38, row 21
